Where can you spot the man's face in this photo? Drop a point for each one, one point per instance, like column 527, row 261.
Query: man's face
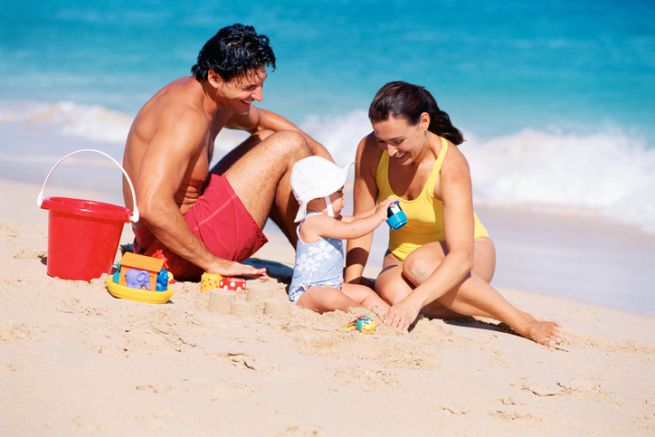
column 239, row 92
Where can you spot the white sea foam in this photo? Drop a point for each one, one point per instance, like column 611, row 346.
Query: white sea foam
column 340, row 134
column 81, row 121
column 609, row 173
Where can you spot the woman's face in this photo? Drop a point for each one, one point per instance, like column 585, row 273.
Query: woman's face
column 403, row 141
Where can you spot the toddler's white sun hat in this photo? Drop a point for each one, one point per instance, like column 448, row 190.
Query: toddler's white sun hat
column 315, row 177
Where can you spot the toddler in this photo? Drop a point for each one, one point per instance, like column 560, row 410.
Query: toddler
column 317, row 281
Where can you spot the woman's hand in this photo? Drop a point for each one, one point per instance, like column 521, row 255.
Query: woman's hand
column 402, row 314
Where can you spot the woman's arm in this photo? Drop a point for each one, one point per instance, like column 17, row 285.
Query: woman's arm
column 454, row 189
column 456, row 195
column 364, row 192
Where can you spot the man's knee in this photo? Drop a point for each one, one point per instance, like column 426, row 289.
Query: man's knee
column 290, row 143
column 263, row 134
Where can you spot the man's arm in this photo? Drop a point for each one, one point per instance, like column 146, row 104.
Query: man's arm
column 179, row 138
column 258, row 120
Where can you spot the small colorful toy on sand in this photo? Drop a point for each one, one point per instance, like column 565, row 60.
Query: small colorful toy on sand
column 232, row 284
column 141, row 278
column 211, row 281
column 362, row 324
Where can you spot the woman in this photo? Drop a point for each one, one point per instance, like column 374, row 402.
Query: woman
column 442, row 261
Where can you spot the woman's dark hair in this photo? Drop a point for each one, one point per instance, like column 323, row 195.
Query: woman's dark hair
column 402, row 99
column 234, row 51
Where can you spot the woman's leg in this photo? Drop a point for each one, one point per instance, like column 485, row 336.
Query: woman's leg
column 393, row 287
column 474, row 296
column 484, row 265
column 390, row 284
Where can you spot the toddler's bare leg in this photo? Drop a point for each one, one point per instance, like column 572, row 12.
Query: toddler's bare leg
column 324, row 299
column 364, row 296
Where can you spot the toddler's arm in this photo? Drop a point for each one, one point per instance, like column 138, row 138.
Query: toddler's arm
column 325, row 226
column 361, row 215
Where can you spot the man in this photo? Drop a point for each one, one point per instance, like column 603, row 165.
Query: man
column 212, row 220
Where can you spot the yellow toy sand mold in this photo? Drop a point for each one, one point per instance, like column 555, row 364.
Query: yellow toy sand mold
column 123, row 292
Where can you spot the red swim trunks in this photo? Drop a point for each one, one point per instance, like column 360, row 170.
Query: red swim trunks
column 220, row 220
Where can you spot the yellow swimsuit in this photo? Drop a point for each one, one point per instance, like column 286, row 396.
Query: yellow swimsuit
column 424, row 214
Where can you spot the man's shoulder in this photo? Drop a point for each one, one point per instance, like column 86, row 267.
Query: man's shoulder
column 179, row 98
column 182, row 112
column 184, row 92
column 173, row 117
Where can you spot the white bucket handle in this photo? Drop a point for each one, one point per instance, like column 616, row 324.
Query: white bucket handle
column 135, row 211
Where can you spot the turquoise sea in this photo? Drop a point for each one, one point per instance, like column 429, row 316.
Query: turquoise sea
column 555, row 97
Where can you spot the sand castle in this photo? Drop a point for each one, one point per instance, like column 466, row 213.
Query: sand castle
column 259, row 298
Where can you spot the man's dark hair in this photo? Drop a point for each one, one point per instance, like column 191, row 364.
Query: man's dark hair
column 234, row 51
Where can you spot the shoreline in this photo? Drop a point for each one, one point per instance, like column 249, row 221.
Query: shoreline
column 595, row 262
column 589, row 259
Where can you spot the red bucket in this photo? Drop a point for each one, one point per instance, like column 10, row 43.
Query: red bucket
column 83, row 235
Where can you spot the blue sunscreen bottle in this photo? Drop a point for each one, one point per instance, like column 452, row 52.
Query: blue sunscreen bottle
column 396, row 217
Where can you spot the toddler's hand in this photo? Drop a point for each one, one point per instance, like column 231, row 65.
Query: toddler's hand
column 381, row 208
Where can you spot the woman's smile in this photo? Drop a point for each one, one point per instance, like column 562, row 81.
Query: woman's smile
column 400, row 156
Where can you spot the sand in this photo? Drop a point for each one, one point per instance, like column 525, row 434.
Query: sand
column 73, row 360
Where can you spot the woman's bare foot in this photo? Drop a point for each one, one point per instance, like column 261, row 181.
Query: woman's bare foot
column 546, row 333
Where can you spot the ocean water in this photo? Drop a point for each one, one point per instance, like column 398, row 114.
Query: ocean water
column 555, row 97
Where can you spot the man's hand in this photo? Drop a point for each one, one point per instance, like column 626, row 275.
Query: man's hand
column 232, row 268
